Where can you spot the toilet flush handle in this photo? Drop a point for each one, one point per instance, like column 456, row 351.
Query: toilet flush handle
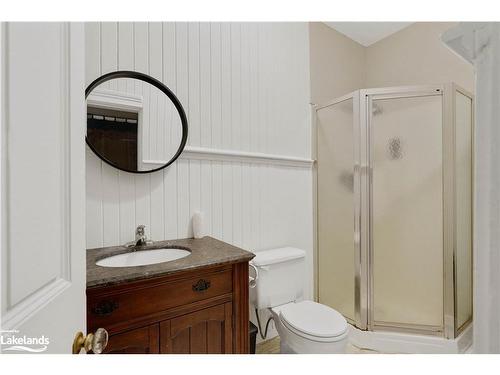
column 253, row 280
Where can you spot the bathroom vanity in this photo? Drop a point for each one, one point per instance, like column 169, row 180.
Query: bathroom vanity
column 195, row 304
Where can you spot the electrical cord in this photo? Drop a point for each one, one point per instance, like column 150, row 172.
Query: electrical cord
column 263, row 336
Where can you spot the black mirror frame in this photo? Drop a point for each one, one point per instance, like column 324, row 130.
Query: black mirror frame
column 159, row 85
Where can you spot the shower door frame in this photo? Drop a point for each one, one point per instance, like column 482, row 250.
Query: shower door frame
column 363, row 202
column 368, row 96
column 360, row 262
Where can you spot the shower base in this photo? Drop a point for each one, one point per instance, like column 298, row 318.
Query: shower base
column 392, row 342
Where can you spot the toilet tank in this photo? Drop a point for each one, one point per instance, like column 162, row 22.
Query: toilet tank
column 280, row 277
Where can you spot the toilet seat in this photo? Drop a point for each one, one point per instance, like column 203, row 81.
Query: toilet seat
column 314, row 321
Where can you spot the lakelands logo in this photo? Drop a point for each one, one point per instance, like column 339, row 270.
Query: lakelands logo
column 14, row 342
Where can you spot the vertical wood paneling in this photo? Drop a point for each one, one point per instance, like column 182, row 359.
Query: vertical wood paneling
column 126, row 180
column 217, row 192
column 237, row 202
column 182, row 71
column 263, row 80
column 205, row 77
column 110, row 181
column 194, row 83
column 246, row 204
column 245, row 64
column 254, row 92
column 226, row 86
column 183, row 208
column 109, row 46
column 182, row 76
column 235, row 40
column 126, row 46
column 215, row 85
column 206, row 194
column 157, row 229
column 141, row 45
column 194, row 189
column 227, row 202
column 127, row 206
column 142, row 182
column 155, row 62
column 155, row 45
column 155, row 65
column 170, row 201
column 241, row 90
column 172, row 127
column 92, row 51
column 142, row 201
column 170, row 174
column 110, row 205
column 141, row 64
column 255, row 198
column 93, row 206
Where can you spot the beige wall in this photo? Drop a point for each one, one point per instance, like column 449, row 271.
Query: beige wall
column 412, row 56
column 416, row 55
column 337, row 63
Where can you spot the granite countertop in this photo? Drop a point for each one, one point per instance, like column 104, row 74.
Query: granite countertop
column 206, row 251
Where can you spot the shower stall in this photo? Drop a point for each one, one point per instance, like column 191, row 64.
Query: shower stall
column 394, row 208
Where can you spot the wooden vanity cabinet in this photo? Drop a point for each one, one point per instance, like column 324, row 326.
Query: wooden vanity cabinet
column 197, row 311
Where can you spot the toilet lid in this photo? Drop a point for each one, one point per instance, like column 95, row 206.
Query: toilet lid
column 313, row 319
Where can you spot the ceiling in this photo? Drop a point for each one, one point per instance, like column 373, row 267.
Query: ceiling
column 367, row 33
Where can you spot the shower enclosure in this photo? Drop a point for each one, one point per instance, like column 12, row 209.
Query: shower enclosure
column 394, row 208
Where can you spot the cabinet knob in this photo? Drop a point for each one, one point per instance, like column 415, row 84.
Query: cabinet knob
column 93, row 342
column 201, row 285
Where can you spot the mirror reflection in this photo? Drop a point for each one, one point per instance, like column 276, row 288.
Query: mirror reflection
column 133, row 125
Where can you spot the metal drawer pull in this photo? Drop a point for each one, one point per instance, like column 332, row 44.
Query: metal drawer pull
column 105, row 308
column 201, row 285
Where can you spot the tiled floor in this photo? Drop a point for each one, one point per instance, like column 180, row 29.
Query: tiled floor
column 272, row 346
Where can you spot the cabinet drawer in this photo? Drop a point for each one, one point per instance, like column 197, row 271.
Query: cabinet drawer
column 105, row 310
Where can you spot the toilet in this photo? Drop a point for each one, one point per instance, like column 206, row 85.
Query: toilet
column 303, row 326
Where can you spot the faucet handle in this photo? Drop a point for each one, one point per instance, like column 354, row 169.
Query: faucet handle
column 140, row 229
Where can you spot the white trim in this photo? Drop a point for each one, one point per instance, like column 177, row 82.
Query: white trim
column 393, row 342
column 103, row 98
column 3, row 187
column 201, row 153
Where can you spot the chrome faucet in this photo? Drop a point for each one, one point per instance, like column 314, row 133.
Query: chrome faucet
column 140, row 237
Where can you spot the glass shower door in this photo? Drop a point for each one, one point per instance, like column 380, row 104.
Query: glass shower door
column 336, row 200
column 406, row 249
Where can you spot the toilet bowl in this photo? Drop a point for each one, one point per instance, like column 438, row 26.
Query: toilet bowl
column 308, row 327
column 303, row 326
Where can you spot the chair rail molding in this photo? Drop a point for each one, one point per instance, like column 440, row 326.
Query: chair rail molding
column 203, row 153
column 479, row 44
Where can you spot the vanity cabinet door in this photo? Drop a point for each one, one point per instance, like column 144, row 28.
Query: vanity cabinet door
column 207, row 331
column 136, row 341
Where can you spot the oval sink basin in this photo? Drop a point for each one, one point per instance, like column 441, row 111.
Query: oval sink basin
column 143, row 258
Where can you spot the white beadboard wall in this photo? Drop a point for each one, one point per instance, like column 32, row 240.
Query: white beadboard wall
column 245, row 87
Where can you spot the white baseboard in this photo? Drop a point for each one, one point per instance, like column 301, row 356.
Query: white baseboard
column 391, row 342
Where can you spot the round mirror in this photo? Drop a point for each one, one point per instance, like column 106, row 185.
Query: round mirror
column 134, row 122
